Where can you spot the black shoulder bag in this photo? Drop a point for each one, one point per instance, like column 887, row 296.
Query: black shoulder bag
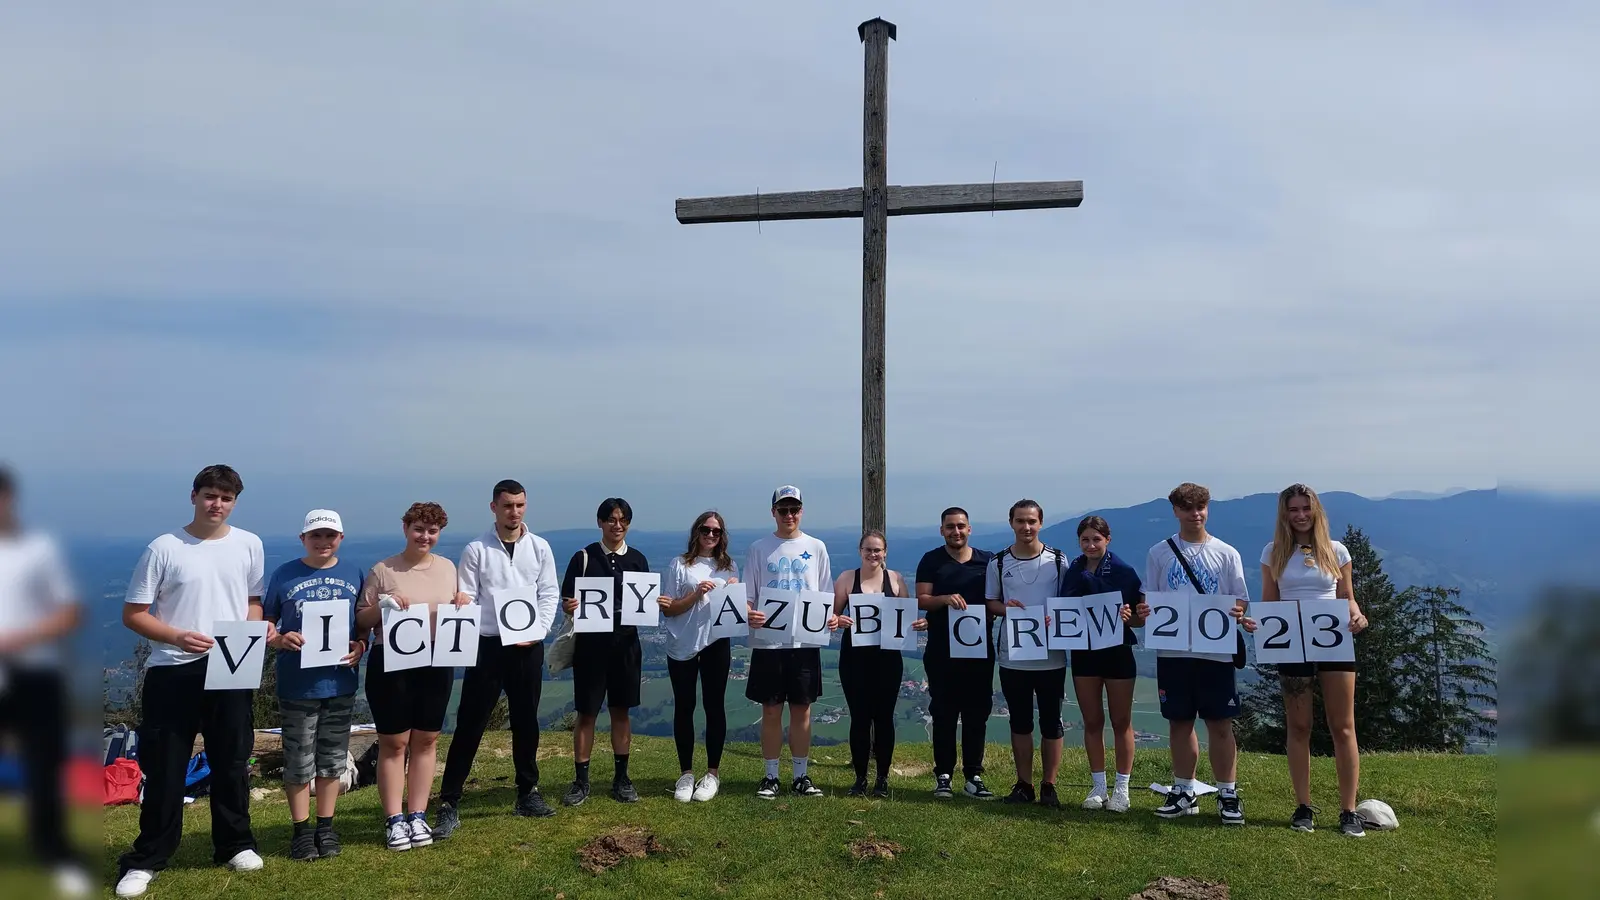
column 1238, row 655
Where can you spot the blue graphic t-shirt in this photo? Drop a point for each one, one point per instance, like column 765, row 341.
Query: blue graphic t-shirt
column 293, row 584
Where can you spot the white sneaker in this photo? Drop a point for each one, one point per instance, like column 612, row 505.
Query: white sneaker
column 245, row 861
column 684, row 789
column 399, row 836
column 72, row 881
column 1096, row 799
column 707, row 788
column 421, row 833
column 135, row 882
column 1119, row 802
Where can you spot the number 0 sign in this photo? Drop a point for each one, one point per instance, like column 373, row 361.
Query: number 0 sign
column 1326, row 625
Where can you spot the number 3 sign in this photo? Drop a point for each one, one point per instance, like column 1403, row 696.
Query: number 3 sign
column 1291, row 631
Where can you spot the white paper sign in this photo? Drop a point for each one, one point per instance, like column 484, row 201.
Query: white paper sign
column 237, row 652
column 898, row 614
column 1103, row 613
column 779, row 608
column 595, row 612
column 516, row 613
column 1025, row 634
column 1212, row 627
column 967, row 638
column 811, row 619
column 729, row 606
column 1326, row 627
column 640, row 591
column 866, row 616
column 1066, row 627
column 325, row 628
column 455, row 640
column 407, row 639
column 1277, row 637
column 1167, row 627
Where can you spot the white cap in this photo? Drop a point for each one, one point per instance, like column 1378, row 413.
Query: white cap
column 787, row 492
column 322, row 518
column 1377, row 814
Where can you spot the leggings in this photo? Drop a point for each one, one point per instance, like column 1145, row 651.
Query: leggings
column 871, row 681
column 710, row 667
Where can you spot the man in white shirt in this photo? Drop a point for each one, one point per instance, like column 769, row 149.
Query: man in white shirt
column 506, row 558
column 1023, row 575
column 1191, row 684
column 186, row 581
column 39, row 608
column 789, row 560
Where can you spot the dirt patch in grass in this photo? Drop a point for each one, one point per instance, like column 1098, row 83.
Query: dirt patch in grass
column 874, row 848
column 616, row 845
column 1168, row 888
column 911, row 769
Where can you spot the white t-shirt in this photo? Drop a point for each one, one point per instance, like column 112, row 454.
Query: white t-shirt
column 799, row 563
column 1297, row 581
column 1218, row 566
column 689, row 632
column 192, row 584
column 1031, row 581
column 34, row 585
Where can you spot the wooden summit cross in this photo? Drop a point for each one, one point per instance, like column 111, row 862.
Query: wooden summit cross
column 873, row 203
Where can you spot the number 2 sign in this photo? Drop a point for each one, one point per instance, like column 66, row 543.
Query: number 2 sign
column 1277, row 633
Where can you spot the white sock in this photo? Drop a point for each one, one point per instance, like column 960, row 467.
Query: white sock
column 1099, row 782
column 800, row 766
column 1184, row 784
column 1227, row 787
column 772, row 768
column 1122, row 781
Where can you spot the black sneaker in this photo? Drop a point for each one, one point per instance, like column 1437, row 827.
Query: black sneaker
column 859, row 789
column 303, row 846
column 802, row 787
column 576, row 794
column 1304, row 818
column 1020, row 793
column 1178, row 803
column 768, row 788
column 445, row 821
column 977, row 790
column 880, row 789
column 622, row 790
column 1350, row 824
column 941, row 788
column 327, row 843
column 1047, row 796
column 1230, row 807
column 530, row 804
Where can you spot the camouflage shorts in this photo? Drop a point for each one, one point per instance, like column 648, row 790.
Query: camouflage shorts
column 316, row 737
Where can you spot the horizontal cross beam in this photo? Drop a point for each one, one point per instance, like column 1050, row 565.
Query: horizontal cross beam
column 904, row 200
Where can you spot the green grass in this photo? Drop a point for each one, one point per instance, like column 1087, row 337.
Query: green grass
column 738, row 846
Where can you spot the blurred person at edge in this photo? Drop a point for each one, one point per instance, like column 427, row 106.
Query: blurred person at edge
column 38, row 610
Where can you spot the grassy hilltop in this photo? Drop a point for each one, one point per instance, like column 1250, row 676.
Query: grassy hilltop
column 739, row 846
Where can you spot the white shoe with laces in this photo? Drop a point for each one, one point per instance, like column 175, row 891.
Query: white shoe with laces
column 684, row 790
column 707, row 788
column 246, row 861
column 1096, row 799
column 1119, row 802
column 135, row 882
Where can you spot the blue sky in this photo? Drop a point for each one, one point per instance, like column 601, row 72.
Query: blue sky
column 373, row 254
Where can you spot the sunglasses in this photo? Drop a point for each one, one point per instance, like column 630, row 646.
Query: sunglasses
column 708, row 531
column 788, row 510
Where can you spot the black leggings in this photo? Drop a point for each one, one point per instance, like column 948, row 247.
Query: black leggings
column 710, row 667
column 871, row 681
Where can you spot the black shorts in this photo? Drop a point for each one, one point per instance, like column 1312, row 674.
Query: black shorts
column 790, row 675
column 606, row 673
column 1113, row 662
column 411, row 699
column 1021, row 686
column 1309, row 669
column 1190, row 688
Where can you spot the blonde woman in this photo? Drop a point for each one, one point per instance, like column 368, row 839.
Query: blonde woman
column 1304, row 563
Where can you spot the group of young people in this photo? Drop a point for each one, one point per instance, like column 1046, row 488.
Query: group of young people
column 209, row 571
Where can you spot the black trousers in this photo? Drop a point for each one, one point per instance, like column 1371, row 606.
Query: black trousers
column 33, row 708
column 870, row 678
column 710, row 668
column 959, row 689
column 519, row 672
column 176, row 708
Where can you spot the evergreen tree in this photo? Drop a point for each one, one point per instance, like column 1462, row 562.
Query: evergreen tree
column 1449, row 681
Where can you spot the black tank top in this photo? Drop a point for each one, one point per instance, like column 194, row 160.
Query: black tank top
column 845, row 643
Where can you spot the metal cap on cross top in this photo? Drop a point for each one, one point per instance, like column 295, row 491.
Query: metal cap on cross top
column 873, row 202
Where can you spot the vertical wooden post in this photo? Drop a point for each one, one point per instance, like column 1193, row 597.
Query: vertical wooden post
column 875, row 34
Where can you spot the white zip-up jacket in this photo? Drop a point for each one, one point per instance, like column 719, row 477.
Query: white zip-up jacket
column 486, row 567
